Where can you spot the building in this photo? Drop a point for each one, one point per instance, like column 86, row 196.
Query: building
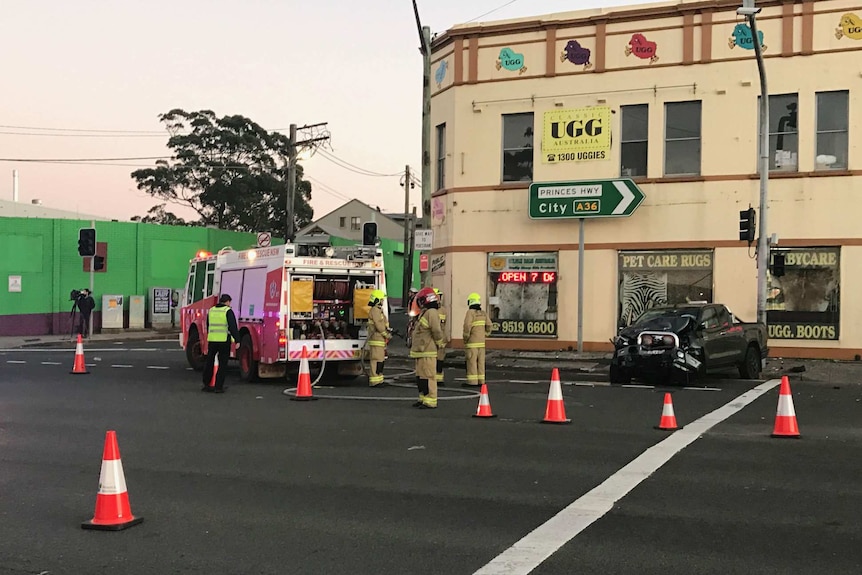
column 666, row 95
column 35, row 209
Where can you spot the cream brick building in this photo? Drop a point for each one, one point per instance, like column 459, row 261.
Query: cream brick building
column 667, row 95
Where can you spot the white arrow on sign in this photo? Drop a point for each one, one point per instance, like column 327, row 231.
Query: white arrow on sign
column 628, row 197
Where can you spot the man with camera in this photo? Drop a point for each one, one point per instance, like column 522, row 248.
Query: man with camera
column 84, row 302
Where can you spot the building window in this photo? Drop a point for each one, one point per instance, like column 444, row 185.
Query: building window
column 783, row 135
column 655, row 278
column 804, row 301
column 832, row 128
column 355, row 224
column 518, row 147
column 522, row 289
column 682, row 138
column 342, row 221
column 441, row 156
column 633, row 148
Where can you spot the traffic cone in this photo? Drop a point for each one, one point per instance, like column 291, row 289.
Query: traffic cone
column 555, row 411
column 211, row 384
column 79, row 366
column 785, row 416
column 113, row 512
column 668, row 419
column 303, row 385
column 484, row 409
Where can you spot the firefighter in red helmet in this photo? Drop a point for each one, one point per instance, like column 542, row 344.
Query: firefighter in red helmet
column 428, row 338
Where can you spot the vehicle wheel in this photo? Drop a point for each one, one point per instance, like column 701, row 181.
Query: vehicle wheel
column 750, row 366
column 247, row 364
column 619, row 375
column 197, row 360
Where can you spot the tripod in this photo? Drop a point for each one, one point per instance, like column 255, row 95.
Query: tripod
column 72, row 323
column 82, row 325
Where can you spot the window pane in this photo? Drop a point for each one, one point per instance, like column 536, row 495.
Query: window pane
column 682, row 157
column 518, row 131
column 518, row 166
column 441, row 156
column 831, row 111
column 633, row 159
column 783, row 152
column 782, row 113
column 682, row 120
column 831, row 151
column 635, row 122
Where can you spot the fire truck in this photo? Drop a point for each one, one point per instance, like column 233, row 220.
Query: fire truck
column 285, row 298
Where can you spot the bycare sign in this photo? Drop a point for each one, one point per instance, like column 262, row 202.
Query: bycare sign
column 584, row 199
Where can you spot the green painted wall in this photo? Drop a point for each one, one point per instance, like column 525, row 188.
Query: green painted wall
column 393, row 264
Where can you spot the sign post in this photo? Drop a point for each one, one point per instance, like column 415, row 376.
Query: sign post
column 585, row 199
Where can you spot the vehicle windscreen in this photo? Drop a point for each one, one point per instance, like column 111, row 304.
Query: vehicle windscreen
column 674, row 320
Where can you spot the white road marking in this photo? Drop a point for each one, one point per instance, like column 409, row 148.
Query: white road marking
column 528, row 553
column 703, row 388
column 592, row 383
column 634, row 386
column 122, row 366
column 157, row 367
column 15, row 361
column 525, row 381
column 160, row 340
column 51, row 363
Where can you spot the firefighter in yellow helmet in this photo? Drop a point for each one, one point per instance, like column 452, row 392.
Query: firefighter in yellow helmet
column 428, row 338
column 477, row 326
column 441, row 353
column 379, row 334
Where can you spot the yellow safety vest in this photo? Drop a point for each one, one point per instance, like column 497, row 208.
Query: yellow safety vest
column 218, row 330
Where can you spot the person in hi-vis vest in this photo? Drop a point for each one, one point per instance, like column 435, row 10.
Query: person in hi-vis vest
column 221, row 326
column 379, row 335
column 477, row 326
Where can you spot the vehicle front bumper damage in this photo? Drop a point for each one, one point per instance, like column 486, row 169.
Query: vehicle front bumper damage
column 656, row 353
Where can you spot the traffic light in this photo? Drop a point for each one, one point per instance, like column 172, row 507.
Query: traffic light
column 369, row 234
column 87, row 242
column 747, row 225
column 777, row 264
column 98, row 263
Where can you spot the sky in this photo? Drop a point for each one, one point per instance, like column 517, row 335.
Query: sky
column 88, row 79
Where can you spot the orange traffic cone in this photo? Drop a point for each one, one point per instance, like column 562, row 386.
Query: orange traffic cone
column 79, row 366
column 113, row 512
column 785, row 416
column 211, row 384
column 484, row 409
column 668, row 419
column 555, row 411
column 303, row 385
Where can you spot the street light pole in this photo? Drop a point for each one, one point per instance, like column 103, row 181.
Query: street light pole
column 750, row 12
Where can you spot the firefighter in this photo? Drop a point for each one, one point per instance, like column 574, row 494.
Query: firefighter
column 477, row 326
column 379, row 334
column 221, row 325
column 428, row 338
column 441, row 353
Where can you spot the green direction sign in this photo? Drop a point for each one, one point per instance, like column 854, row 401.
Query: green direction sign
column 584, row 199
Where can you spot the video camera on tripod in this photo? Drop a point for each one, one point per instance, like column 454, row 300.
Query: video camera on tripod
column 77, row 294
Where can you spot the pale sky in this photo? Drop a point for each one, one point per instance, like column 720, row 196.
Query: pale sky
column 68, row 67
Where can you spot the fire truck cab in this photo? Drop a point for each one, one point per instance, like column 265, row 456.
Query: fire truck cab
column 285, row 299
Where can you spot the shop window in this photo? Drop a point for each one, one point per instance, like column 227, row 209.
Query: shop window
column 804, row 301
column 657, row 278
column 633, row 147
column 355, row 223
column 441, row 156
column 682, row 128
column 518, row 147
column 783, row 135
column 832, row 130
column 522, row 290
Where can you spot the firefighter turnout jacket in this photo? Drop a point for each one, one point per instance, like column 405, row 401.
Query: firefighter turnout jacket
column 477, row 326
column 378, row 327
column 428, row 335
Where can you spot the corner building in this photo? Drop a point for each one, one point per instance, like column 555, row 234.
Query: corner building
column 665, row 95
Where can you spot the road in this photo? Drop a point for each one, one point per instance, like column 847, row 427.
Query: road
column 251, row 482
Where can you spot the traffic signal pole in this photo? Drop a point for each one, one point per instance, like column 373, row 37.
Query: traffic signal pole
column 92, row 281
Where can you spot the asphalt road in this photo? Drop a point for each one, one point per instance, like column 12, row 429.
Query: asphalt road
column 251, row 482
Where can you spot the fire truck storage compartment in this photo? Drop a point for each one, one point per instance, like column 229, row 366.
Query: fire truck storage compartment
column 247, row 288
column 338, row 305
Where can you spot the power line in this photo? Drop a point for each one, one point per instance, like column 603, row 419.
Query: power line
column 162, row 132
column 81, row 160
column 354, row 168
column 83, row 135
column 492, row 11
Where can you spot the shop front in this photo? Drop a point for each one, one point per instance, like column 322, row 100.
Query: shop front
column 522, row 294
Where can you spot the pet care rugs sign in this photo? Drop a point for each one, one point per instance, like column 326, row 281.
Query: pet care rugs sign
column 576, row 135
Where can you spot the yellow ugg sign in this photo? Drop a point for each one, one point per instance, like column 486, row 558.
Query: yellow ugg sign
column 576, row 135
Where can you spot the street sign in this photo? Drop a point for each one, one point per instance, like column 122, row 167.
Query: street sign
column 423, row 240
column 423, row 262
column 584, row 199
column 264, row 239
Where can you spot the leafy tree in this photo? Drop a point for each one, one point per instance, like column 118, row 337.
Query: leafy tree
column 230, row 170
column 159, row 215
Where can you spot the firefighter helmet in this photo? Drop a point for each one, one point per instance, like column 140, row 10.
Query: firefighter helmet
column 426, row 296
column 473, row 299
column 376, row 297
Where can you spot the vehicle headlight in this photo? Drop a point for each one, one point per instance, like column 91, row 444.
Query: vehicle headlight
column 647, row 340
column 667, row 340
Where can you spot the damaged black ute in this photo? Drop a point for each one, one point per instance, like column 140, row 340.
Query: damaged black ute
column 675, row 343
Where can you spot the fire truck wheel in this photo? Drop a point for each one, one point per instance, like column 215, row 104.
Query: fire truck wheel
column 197, row 360
column 247, row 364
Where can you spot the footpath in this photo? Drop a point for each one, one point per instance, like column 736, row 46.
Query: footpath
column 826, row 371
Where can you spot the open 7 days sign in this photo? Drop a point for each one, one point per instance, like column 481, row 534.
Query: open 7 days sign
column 584, row 199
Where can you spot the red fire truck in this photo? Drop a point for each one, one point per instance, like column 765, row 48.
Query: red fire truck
column 285, row 299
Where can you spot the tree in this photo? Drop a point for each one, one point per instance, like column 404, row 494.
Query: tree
column 230, row 170
column 159, row 215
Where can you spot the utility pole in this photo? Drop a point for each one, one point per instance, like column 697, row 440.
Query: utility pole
column 750, row 12
column 317, row 136
column 93, row 282
column 408, row 280
column 425, row 49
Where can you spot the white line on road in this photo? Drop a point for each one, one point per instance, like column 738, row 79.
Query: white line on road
column 15, row 361
column 703, row 388
column 635, row 386
column 528, row 553
column 51, row 363
column 592, row 383
column 157, row 367
column 122, row 366
column 524, row 381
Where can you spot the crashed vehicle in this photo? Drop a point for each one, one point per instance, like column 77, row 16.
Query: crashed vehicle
column 676, row 343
